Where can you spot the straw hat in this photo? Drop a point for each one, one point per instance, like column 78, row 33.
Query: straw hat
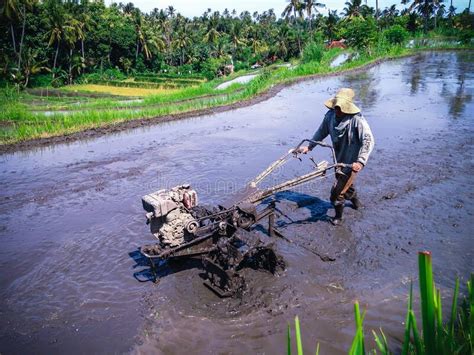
column 343, row 99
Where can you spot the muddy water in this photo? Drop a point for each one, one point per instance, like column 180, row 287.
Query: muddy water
column 71, row 219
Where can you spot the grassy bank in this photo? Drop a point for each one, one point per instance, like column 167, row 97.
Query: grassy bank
column 19, row 123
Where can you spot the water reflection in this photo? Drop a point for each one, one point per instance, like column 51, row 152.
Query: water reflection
column 459, row 96
column 365, row 86
column 413, row 75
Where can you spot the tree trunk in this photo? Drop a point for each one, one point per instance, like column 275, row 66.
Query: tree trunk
column 70, row 66
column 136, row 52
column 27, row 78
column 469, row 6
column 82, row 49
column 55, row 59
column 13, row 37
column 376, row 10
column 426, row 17
column 22, row 36
column 298, row 34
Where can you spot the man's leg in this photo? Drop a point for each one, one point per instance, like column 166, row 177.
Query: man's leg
column 338, row 192
column 351, row 195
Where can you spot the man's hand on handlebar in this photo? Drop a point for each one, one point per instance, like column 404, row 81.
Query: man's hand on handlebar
column 357, row 167
column 303, row 150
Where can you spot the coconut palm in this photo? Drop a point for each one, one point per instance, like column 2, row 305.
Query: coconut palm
column 423, row 7
column 330, row 24
column 309, row 6
column 30, row 66
column 24, row 6
column 236, row 37
column 10, row 12
column 282, row 41
column 353, row 9
column 182, row 41
column 295, row 7
column 72, row 33
column 55, row 34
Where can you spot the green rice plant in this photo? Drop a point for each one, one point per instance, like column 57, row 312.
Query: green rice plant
column 299, row 344
column 427, row 295
column 381, row 342
column 454, row 337
column 358, row 344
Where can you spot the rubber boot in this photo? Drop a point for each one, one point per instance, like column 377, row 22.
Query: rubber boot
column 337, row 219
column 356, row 204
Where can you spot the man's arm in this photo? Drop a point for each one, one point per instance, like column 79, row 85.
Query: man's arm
column 367, row 139
column 321, row 133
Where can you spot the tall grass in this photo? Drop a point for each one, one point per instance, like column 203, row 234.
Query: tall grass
column 456, row 336
column 22, row 124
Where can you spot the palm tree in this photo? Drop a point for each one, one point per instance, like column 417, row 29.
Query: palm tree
column 55, row 36
column 27, row 4
column 30, row 66
column 281, row 41
column 236, row 37
column 10, row 11
column 182, row 42
column 330, row 24
column 309, row 6
column 353, row 9
column 295, row 7
column 171, row 11
column 212, row 34
column 424, row 8
column 85, row 25
column 72, row 33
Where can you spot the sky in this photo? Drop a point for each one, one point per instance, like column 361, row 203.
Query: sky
column 190, row 8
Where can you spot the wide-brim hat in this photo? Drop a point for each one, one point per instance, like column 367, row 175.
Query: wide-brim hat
column 343, row 99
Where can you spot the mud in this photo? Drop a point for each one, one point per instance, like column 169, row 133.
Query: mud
column 71, row 221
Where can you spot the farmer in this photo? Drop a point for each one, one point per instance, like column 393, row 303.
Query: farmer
column 353, row 142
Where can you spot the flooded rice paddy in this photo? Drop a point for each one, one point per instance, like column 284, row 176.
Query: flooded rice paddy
column 244, row 79
column 71, row 221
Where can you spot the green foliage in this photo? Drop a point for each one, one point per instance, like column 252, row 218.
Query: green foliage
column 211, row 67
column 360, row 33
column 41, row 80
column 313, row 52
column 466, row 36
column 396, row 34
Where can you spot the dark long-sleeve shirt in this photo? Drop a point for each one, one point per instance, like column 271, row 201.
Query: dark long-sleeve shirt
column 351, row 137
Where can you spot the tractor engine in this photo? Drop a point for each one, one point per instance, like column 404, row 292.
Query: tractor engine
column 169, row 214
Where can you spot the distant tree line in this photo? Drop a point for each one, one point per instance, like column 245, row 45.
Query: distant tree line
column 64, row 39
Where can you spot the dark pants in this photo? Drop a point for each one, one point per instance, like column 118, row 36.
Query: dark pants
column 343, row 189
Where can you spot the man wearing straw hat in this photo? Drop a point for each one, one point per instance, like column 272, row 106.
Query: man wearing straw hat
column 353, row 142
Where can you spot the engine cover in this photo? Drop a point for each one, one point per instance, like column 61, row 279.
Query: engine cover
column 169, row 213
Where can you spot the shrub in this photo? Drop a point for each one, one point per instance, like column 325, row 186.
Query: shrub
column 210, row 67
column 360, row 33
column 241, row 65
column 466, row 36
column 41, row 80
column 396, row 34
column 112, row 74
column 313, row 52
